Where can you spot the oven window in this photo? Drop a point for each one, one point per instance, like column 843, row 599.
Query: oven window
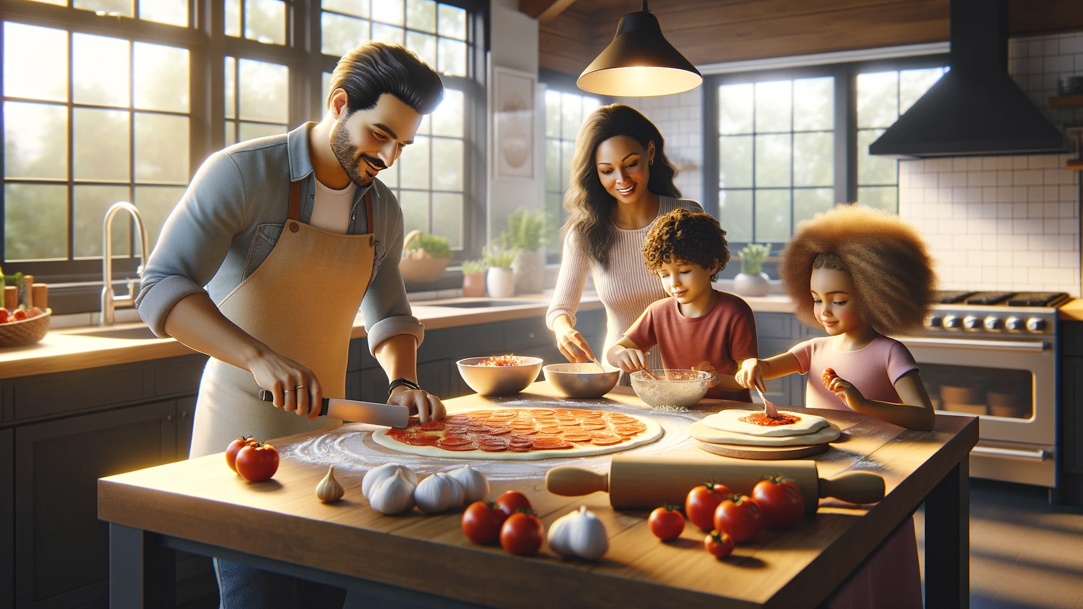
column 994, row 392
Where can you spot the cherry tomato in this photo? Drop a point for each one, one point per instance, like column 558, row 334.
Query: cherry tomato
column 4, row 315
column 701, row 503
column 510, row 502
column 739, row 516
column 780, row 501
column 18, row 315
column 827, row 376
column 257, row 462
column 482, row 522
column 235, row 447
column 522, row 533
column 719, row 544
column 666, row 522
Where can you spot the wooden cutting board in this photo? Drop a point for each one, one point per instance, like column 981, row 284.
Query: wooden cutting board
column 762, row 453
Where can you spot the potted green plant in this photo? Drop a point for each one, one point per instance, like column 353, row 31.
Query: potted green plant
column 424, row 256
column 525, row 236
column 499, row 279
column 473, row 278
column 752, row 281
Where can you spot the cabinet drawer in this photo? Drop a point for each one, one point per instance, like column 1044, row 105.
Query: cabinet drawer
column 180, row 375
column 774, row 325
column 54, row 394
column 525, row 333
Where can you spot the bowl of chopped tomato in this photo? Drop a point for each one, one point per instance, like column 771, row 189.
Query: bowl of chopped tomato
column 499, row 374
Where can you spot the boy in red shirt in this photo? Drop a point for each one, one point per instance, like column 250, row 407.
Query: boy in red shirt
column 699, row 327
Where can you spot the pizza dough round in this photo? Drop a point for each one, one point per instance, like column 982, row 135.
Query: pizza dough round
column 730, row 420
column 653, row 432
column 703, row 433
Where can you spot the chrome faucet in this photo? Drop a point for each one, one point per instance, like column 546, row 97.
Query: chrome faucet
column 109, row 301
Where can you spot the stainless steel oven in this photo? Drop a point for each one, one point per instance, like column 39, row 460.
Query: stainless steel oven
column 994, row 355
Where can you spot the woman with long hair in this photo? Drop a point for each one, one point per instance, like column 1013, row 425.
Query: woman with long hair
column 621, row 182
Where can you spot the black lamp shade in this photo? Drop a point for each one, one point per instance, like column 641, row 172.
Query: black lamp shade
column 639, row 62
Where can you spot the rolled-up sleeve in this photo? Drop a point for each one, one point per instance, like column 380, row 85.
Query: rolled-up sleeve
column 385, row 308
column 194, row 240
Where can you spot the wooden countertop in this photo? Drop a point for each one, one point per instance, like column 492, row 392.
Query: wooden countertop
column 65, row 349
column 202, row 502
column 1071, row 310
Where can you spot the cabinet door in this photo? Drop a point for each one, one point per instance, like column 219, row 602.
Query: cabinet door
column 61, row 548
column 186, row 414
column 7, row 513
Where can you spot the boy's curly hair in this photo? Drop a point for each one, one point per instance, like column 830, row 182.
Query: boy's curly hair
column 686, row 236
column 887, row 260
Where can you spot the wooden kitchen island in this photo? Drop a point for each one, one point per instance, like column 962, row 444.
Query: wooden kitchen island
column 201, row 506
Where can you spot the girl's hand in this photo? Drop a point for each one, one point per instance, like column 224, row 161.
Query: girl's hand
column 707, row 367
column 751, row 374
column 628, row 360
column 428, row 407
column 846, row 391
column 573, row 346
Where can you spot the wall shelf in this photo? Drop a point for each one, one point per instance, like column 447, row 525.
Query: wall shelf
column 1066, row 101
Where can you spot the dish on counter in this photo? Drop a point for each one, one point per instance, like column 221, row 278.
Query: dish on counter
column 499, row 380
column 582, row 381
column 16, row 332
column 671, row 387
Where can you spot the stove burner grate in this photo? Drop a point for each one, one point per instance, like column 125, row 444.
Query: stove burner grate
column 1037, row 299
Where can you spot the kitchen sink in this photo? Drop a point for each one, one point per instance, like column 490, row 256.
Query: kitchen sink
column 483, row 304
column 136, row 333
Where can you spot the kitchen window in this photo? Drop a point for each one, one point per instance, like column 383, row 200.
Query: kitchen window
column 564, row 114
column 786, row 145
column 122, row 100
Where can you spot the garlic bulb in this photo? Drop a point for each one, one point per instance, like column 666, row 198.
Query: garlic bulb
column 579, row 534
column 392, row 495
column 475, row 484
column 329, row 489
column 386, row 471
column 437, row 493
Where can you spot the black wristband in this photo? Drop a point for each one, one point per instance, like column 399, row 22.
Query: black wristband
column 402, row 381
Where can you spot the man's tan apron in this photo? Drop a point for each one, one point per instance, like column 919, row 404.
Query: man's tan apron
column 301, row 302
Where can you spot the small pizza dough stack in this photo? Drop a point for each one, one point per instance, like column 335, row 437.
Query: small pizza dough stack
column 734, row 433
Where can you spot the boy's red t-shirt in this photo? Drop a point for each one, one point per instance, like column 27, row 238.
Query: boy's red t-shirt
column 726, row 334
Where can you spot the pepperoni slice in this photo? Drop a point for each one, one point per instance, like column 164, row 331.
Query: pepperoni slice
column 550, row 443
column 415, row 440
column 457, row 418
column 594, row 426
column 499, row 430
column 541, row 411
column 458, row 447
column 617, row 417
column 455, row 440
column 492, row 445
column 605, row 439
column 571, row 436
column 433, row 425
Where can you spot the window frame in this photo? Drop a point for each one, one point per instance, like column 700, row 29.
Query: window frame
column 845, row 127
column 208, row 45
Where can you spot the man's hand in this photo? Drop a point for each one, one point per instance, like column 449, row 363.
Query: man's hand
column 428, row 407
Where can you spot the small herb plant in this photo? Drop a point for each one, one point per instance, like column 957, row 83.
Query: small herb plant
column 427, row 246
column 526, row 229
column 473, row 266
column 498, row 254
column 752, row 257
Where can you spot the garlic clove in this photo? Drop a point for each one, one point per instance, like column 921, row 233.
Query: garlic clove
column 378, row 474
column 475, row 484
column 455, row 489
column 579, row 534
column 392, row 495
column 433, row 494
column 329, row 489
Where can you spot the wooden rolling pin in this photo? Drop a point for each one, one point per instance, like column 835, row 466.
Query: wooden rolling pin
column 648, row 482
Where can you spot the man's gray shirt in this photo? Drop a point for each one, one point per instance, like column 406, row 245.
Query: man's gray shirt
column 230, row 218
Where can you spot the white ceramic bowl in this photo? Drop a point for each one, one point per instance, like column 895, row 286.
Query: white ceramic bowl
column 671, row 387
column 583, row 381
column 499, row 380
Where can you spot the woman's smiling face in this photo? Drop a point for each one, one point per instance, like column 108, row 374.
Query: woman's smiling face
column 834, row 302
column 623, row 167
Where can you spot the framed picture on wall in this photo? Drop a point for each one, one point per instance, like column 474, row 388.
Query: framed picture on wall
column 513, row 118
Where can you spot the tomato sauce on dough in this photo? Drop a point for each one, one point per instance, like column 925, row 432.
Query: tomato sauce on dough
column 759, row 418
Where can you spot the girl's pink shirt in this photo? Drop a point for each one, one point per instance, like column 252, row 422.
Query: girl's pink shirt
column 872, row 369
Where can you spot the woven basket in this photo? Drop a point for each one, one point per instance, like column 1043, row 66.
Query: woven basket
column 26, row 332
column 420, row 270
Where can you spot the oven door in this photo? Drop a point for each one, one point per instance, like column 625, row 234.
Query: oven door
column 1010, row 384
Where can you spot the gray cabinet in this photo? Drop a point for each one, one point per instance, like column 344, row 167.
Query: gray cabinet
column 1069, row 489
column 7, row 516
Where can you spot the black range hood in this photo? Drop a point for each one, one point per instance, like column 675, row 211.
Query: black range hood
column 976, row 108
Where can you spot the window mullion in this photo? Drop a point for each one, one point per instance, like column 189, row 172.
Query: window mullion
column 711, row 142
column 845, row 136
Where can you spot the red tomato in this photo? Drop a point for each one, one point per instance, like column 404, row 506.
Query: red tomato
column 482, row 522
column 32, row 313
column 18, row 315
column 235, row 447
column 510, row 502
column 739, row 516
column 4, row 315
column 701, row 503
column 780, row 501
column 719, row 544
column 257, row 462
column 522, row 534
column 666, row 522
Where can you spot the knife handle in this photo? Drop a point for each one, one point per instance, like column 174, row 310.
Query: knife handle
column 267, row 396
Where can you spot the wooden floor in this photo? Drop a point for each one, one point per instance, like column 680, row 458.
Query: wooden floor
column 1024, row 553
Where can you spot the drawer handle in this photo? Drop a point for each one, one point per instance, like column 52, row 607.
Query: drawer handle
column 1037, row 455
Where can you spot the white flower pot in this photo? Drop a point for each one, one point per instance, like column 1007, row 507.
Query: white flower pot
column 745, row 284
column 529, row 270
column 500, row 282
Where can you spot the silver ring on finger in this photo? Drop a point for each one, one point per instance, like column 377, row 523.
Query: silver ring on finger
column 287, row 391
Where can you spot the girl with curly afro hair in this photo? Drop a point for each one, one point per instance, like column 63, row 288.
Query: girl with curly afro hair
column 859, row 274
column 699, row 327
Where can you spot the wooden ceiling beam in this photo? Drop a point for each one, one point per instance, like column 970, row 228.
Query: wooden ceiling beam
column 544, row 10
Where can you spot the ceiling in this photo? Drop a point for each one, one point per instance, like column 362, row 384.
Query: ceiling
column 573, row 32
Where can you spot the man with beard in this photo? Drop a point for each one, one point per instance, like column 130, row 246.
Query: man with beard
column 291, row 234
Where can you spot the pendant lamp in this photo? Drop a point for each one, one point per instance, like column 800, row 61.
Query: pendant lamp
column 639, row 62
